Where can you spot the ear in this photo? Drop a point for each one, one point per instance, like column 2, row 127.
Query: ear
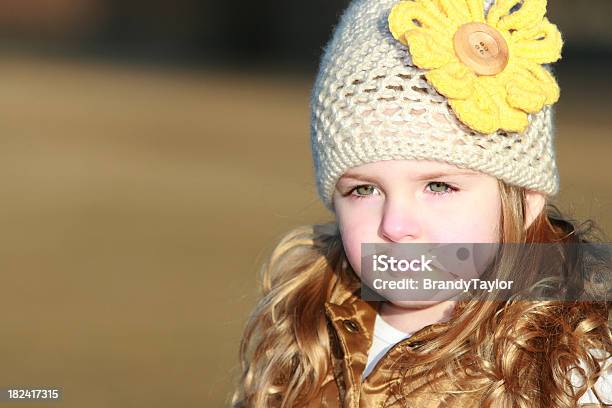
column 534, row 204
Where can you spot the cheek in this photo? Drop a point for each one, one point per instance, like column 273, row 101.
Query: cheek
column 468, row 222
column 357, row 228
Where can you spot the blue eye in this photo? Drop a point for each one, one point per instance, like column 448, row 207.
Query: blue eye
column 439, row 188
column 362, row 191
column 435, row 187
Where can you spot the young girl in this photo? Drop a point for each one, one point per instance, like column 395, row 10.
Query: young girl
column 432, row 122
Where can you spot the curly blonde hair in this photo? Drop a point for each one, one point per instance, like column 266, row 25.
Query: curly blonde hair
column 520, row 351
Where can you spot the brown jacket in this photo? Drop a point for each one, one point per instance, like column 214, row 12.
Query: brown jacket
column 351, row 322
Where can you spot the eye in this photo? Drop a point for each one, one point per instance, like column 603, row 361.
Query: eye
column 440, row 188
column 363, row 191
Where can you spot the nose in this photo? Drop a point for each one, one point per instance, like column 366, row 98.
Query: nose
column 401, row 220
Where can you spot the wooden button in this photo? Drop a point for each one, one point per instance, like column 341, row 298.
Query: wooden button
column 482, row 48
column 351, row 326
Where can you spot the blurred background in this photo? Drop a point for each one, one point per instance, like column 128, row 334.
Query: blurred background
column 152, row 153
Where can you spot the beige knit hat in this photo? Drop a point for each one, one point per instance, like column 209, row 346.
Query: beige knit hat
column 371, row 102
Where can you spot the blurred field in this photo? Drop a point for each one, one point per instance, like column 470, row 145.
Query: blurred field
column 138, row 204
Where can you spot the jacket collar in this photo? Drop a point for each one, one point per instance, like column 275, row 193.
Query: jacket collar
column 352, row 319
column 346, row 298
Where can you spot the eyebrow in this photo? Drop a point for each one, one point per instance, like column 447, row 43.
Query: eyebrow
column 420, row 177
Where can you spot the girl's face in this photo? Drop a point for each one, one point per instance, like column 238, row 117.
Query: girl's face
column 410, row 201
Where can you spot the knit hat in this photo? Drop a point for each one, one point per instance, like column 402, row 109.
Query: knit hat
column 465, row 82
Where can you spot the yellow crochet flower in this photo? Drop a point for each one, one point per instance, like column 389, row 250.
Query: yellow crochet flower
column 489, row 67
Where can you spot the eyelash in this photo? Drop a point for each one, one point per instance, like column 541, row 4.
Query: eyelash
column 450, row 190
